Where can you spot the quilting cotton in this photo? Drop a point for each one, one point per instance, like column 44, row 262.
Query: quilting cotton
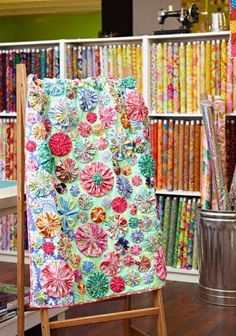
column 92, row 219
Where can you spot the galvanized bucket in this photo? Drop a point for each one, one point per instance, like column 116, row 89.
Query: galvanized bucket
column 217, row 257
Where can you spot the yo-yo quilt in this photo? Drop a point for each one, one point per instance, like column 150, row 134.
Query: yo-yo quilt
column 92, row 218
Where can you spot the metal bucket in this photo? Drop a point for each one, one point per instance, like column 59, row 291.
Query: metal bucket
column 217, row 257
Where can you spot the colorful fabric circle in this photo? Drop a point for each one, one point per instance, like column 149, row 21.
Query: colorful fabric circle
column 67, row 170
column 98, row 215
column 97, row 285
column 84, row 150
column 119, row 204
column 87, row 99
column 97, row 179
column 135, row 106
column 91, row 240
column 48, row 224
column 117, row 284
column 57, row 278
column 60, row 144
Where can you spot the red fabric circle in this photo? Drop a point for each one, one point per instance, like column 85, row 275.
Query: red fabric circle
column 91, row 117
column 119, row 204
column 60, row 144
column 117, row 284
column 30, row 146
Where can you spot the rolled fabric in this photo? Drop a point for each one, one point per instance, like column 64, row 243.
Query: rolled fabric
column 220, row 129
column 139, row 68
column 217, row 67
column 166, row 223
column 182, row 77
column 223, row 69
column 208, row 68
column 165, row 78
column 176, row 155
column 192, row 140
column 172, row 231
column 213, row 68
column 181, row 156
column 202, row 69
column 159, row 77
column 229, row 80
column 170, row 156
column 192, row 229
column 134, row 61
column 181, row 234
column 115, row 63
column 164, row 154
column 186, row 155
column 176, row 82
column 195, row 75
column 119, row 61
column 206, row 176
column 159, row 155
column 197, row 157
column 186, row 234
column 170, row 78
column 153, row 78
column 219, row 184
column 189, row 77
column 74, row 63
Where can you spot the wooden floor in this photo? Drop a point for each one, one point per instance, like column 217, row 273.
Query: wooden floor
column 185, row 314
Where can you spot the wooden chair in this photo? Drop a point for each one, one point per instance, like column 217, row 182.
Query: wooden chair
column 157, row 310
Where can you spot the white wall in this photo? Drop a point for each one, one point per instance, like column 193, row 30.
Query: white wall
column 145, row 15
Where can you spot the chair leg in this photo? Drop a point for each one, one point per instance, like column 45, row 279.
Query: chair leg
column 126, row 323
column 161, row 322
column 45, row 322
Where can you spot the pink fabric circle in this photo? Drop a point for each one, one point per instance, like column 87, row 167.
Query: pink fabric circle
column 91, row 240
column 97, row 179
column 57, row 278
column 135, row 106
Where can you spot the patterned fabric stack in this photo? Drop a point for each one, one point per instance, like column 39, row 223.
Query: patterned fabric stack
column 92, row 217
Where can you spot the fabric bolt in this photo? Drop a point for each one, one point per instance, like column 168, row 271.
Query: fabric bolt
column 182, row 77
column 170, row 78
column 181, row 156
column 159, row 78
column 159, row 154
column 176, row 155
column 176, row 88
column 186, row 155
column 164, row 153
column 191, row 155
column 172, row 231
column 170, row 156
column 92, row 218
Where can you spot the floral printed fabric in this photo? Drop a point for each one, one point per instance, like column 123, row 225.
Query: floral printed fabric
column 93, row 227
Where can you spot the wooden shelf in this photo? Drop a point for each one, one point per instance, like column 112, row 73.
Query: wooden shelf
column 32, row 318
column 11, row 256
column 183, row 275
column 5, row 114
column 176, row 115
column 179, row 193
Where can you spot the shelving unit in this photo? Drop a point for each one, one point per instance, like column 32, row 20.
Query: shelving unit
column 32, row 318
column 145, row 41
column 180, row 193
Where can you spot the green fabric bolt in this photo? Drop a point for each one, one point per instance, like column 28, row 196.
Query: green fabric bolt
column 172, row 231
